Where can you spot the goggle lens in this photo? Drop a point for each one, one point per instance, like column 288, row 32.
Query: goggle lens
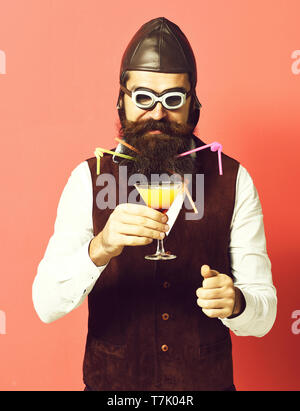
column 143, row 99
column 174, row 101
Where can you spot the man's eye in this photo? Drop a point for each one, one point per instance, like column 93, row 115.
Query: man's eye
column 173, row 101
column 143, row 99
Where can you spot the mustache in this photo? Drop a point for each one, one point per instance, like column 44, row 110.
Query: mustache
column 157, row 155
column 137, row 129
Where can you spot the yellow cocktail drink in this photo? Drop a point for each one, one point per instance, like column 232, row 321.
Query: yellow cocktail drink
column 159, row 196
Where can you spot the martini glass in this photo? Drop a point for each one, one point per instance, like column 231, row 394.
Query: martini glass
column 159, row 196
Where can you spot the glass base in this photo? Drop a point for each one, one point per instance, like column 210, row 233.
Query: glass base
column 160, row 256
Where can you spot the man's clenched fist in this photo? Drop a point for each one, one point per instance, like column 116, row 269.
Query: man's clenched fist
column 218, row 297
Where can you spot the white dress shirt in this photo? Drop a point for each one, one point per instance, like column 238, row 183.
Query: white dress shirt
column 66, row 274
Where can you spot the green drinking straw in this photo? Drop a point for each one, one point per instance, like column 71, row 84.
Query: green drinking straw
column 99, row 153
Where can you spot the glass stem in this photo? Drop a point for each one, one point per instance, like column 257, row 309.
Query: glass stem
column 160, row 247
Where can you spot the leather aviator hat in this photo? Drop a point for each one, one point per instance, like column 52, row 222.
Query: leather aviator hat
column 160, row 46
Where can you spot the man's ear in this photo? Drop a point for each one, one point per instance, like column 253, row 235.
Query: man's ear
column 120, row 100
column 123, row 80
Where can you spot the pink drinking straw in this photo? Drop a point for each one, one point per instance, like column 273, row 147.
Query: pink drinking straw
column 215, row 146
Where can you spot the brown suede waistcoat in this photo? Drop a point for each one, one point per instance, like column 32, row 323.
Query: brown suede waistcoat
column 126, row 327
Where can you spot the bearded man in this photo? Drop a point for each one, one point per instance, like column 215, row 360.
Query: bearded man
column 159, row 325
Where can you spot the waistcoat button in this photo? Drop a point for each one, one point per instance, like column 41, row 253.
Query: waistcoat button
column 165, row 316
column 164, row 347
column 166, row 284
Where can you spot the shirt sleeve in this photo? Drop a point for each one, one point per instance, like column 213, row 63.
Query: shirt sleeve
column 250, row 264
column 66, row 274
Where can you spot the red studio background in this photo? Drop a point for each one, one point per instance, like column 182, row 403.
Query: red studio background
column 59, row 66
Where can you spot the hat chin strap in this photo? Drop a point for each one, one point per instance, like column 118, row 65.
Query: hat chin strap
column 197, row 103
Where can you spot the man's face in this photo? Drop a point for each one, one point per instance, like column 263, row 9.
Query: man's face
column 158, row 134
column 157, row 82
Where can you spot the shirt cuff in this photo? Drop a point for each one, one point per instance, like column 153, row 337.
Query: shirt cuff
column 242, row 321
column 87, row 265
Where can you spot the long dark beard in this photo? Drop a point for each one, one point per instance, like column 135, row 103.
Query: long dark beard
column 157, row 152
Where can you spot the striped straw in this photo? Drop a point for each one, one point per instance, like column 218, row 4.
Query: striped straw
column 215, row 146
column 127, row 145
column 99, row 153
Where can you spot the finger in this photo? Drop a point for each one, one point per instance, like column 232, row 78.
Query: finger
column 143, row 221
column 212, row 282
column 209, row 293
column 216, row 312
column 142, row 210
column 220, row 280
column 212, row 304
column 207, row 272
column 138, row 230
column 131, row 240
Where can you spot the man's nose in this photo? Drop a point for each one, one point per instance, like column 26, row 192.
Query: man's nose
column 158, row 112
